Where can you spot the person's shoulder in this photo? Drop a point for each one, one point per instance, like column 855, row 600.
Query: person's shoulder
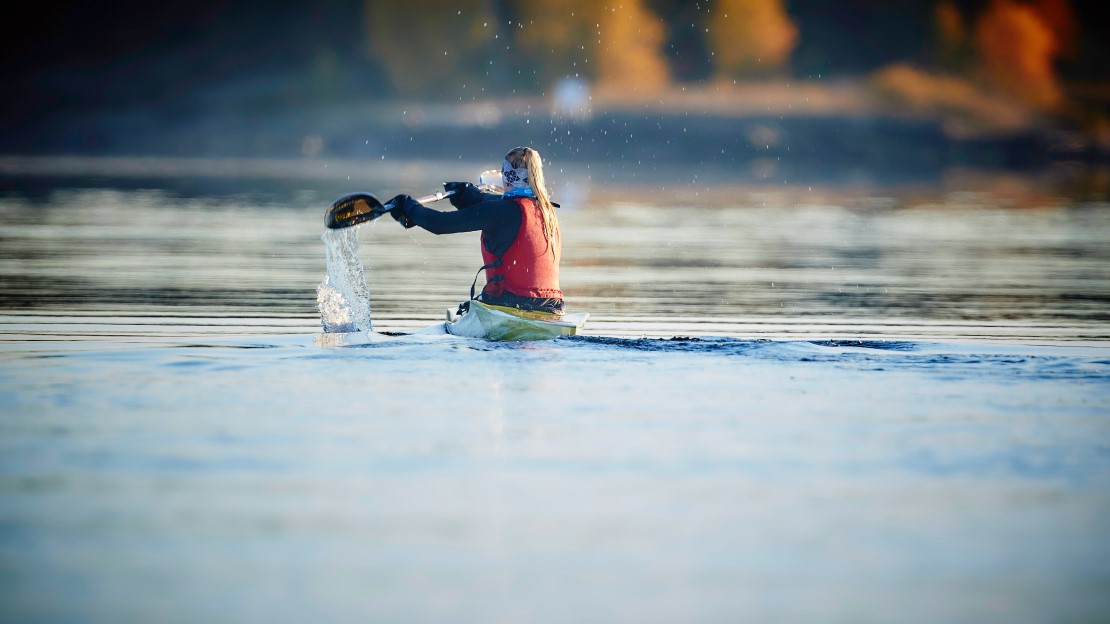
column 499, row 209
column 496, row 197
column 498, row 202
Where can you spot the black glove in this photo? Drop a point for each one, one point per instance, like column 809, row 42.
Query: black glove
column 402, row 204
column 466, row 194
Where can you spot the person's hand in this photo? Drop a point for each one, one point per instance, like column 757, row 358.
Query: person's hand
column 402, row 204
column 466, row 194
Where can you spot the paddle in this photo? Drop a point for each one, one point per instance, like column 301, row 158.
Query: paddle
column 357, row 208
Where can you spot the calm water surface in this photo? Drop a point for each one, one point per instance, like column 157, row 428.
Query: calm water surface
column 801, row 404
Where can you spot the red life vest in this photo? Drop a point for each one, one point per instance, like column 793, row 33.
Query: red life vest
column 530, row 266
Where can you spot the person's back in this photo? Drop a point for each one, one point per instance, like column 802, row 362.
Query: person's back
column 530, row 265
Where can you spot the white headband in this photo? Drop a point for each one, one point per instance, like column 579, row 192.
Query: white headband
column 515, row 177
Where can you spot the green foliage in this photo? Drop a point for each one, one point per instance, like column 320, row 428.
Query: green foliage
column 432, row 46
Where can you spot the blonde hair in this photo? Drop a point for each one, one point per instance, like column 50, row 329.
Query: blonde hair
column 530, row 159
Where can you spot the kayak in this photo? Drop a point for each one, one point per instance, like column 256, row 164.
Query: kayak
column 492, row 322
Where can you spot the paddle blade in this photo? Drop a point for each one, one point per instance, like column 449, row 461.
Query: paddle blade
column 353, row 209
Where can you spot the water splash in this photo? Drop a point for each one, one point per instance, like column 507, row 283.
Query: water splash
column 343, row 298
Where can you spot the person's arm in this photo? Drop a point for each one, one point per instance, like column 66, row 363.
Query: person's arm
column 495, row 213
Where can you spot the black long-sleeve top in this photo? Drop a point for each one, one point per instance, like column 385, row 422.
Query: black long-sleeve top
column 496, row 216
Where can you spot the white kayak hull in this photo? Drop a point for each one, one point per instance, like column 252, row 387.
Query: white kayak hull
column 489, row 322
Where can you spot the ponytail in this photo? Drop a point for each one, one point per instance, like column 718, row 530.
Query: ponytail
column 531, row 161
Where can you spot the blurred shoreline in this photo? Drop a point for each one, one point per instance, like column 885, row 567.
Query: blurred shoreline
column 789, row 132
column 688, row 143
column 319, row 180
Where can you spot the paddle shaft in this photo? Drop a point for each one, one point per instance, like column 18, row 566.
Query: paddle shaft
column 434, row 197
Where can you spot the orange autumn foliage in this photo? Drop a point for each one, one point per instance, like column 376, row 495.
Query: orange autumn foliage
column 750, row 37
column 629, row 48
column 1016, row 48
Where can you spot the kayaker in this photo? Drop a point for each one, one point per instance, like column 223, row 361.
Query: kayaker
column 521, row 245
